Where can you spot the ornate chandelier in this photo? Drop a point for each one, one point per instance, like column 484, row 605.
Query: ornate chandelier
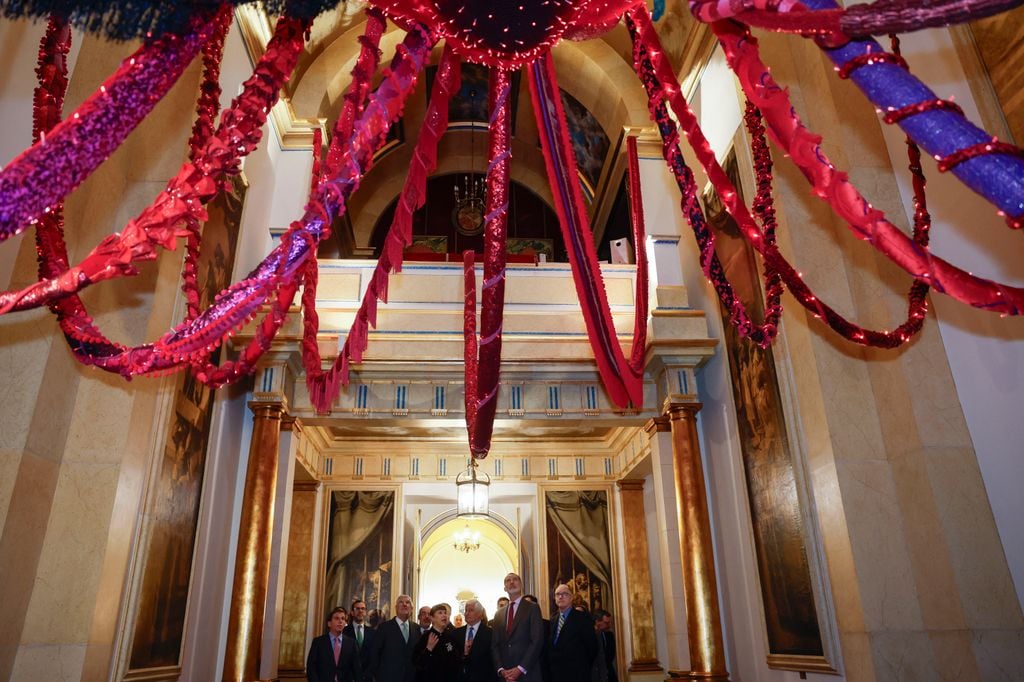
column 467, row 540
column 470, row 197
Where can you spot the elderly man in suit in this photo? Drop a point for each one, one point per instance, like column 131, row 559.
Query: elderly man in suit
column 473, row 640
column 333, row 657
column 359, row 630
column 572, row 643
column 393, row 644
column 518, row 635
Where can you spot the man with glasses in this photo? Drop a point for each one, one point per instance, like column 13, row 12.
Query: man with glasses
column 571, row 644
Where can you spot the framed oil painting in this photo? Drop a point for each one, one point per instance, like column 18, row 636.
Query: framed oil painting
column 779, row 524
column 360, row 556
column 156, row 622
column 579, row 553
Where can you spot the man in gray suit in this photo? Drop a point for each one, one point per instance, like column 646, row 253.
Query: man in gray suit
column 391, row 655
column 518, row 635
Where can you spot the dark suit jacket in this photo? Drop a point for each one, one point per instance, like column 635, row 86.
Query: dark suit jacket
column 607, row 644
column 320, row 662
column 479, row 665
column 440, row 665
column 368, row 636
column 523, row 645
column 571, row 655
column 391, row 655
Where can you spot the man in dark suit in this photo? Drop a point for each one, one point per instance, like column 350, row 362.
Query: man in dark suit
column 518, row 636
column 474, row 641
column 360, row 631
column 502, row 603
column 572, row 643
column 393, row 644
column 605, row 661
column 333, row 657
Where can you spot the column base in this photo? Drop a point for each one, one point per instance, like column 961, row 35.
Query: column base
column 645, row 665
column 722, row 676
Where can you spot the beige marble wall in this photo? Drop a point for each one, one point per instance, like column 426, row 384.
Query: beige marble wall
column 920, row 582
column 77, row 441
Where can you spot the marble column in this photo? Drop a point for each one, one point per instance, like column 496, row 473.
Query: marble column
column 255, row 540
column 704, row 622
column 638, row 577
column 669, row 576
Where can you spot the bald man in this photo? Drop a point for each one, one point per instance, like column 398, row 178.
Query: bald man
column 572, row 643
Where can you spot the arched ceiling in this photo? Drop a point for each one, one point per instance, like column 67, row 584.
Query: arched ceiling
column 598, row 73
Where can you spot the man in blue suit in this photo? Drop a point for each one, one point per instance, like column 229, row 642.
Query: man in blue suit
column 333, row 657
column 393, row 644
column 572, row 643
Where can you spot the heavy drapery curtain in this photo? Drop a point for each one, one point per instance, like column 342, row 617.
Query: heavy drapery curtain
column 356, row 516
column 581, row 518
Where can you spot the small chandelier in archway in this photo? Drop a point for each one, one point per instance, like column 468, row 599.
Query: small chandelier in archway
column 473, row 491
column 467, row 540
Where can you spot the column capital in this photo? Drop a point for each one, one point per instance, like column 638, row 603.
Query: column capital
column 657, row 425
column 681, row 411
column 630, row 484
column 268, row 409
column 290, row 422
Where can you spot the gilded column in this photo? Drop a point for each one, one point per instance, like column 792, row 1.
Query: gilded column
column 295, row 609
column 255, row 534
column 704, row 623
column 638, row 577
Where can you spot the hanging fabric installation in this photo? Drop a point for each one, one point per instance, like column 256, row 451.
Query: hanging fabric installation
column 67, row 150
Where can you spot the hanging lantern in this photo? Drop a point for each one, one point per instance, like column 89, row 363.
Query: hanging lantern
column 473, row 491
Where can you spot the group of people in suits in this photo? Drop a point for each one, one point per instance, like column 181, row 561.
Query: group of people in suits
column 517, row 644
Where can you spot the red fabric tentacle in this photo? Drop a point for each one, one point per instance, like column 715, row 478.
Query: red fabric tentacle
column 638, row 351
column 493, row 295
column 435, row 122
column 622, row 383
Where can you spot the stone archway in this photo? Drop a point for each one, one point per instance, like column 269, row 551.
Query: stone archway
column 451, row 576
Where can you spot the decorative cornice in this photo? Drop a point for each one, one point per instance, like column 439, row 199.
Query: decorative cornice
column 293, row 133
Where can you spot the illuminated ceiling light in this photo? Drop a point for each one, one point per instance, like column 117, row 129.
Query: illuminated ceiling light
column 467, row 540
column 473, row 491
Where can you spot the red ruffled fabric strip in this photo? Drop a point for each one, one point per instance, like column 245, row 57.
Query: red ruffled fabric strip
column 623, row 385
column 435, row 122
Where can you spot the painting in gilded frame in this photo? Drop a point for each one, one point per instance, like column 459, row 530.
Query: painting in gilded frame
column 578, row 546
column 794, row 635
column 360, row 552
column 167, row 542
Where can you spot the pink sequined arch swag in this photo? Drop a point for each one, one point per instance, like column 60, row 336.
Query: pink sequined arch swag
column 503, row 36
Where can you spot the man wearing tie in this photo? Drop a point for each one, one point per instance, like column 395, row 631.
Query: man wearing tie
column 333, row 657
column 358, row 630
column 573, row 645
column 393, row 644
column 474, row 641
column 518, row 635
